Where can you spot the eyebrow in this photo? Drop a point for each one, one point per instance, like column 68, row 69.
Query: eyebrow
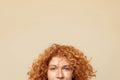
column 62, row 66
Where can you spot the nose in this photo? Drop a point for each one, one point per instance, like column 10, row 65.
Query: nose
column 60, row 74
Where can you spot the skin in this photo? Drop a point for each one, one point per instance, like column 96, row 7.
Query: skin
column 59, row 69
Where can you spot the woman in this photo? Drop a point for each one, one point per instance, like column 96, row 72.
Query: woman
column 61, row 62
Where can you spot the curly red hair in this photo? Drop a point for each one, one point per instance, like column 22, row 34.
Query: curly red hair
column 82, row 69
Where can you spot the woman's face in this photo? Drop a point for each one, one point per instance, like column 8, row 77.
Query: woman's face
column 59, row 69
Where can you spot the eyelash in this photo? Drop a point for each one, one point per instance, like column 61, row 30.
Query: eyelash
column 67, row 69
column 52, row 68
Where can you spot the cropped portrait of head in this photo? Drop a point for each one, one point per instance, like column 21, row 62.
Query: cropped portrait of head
column 61, row 62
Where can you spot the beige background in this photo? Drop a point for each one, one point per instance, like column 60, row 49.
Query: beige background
column 27, row 27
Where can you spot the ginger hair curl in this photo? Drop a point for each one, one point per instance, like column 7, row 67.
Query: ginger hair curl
column 82, row 69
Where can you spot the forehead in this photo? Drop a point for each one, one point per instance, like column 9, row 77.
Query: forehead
column 58, row 61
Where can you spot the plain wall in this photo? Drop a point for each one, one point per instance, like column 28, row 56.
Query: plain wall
column 27, row 27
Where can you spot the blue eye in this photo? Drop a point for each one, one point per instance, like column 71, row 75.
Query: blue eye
column 52, row 68
column 67, row 69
